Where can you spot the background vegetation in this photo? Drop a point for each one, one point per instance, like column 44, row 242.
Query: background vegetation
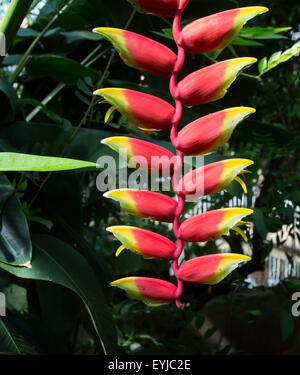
column 63, row 304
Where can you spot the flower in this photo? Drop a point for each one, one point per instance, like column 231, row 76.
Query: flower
column 211, row 83
column 214, row 177
column 144, row 203
column 217, row 30
column 143, row 242
column 153, row 292
column 148, row 156
column 140, row 52
column 213, row 224
column 135, row 106
column 212, row 131
column 210, row 269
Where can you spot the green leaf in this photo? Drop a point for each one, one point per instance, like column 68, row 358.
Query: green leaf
column 280, row 57
column 163, row 34
column 286, row 324
column 273, row 59
column 238, row 41
column 65, row 70
column 55, row 261
column 81, row 35
column 263, row 32
column 11, row 342
column 10, row 161
column 262, row 65
column 15, row 243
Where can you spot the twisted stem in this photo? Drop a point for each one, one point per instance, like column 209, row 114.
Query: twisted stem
column 179, row 155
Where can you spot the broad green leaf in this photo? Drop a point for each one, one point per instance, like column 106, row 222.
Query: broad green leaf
column 55, row 261
column 65, row 70
column 10, row 161
column 15, row 243
column 11, row 342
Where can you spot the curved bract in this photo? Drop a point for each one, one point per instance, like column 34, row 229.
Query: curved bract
column 212, row 225
column 144, row 242
column 147, row 156
column 210, row 269
column 211, row 83
column 217, row 30
column 136, row 105
column 215, row 177
column 144, row 203
column 208, row 133
column 153, row 292
column 140, row 52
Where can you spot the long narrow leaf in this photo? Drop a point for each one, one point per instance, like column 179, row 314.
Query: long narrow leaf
column 10, row 161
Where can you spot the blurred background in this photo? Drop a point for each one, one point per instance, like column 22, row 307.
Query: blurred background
column 47, row 78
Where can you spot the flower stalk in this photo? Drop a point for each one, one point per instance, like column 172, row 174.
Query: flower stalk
column 177, row 33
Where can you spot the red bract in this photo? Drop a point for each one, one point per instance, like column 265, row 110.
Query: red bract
column 143, row 242
column 210, row 132
column 140, row 52
column 153, row 292
column 212, row 178
column 146, row 111
column 148, row 156
column 211, row 83
column 162, row 8
column 212, row 224
column 217, row 30
column 143, row 203
column 210, row 269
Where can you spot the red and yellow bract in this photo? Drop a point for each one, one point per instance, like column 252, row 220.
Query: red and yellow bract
column 215, row 176
column 154, row 292
column 148, row 156
column 211, row 83
column 144, row 203
column 206, row 134
column 217, row 30
column 136, row 107
column 143, row 242
column 140, row 52
column 212, row 224
column 210, row 269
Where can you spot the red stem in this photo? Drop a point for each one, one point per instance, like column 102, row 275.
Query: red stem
column 179, row 156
